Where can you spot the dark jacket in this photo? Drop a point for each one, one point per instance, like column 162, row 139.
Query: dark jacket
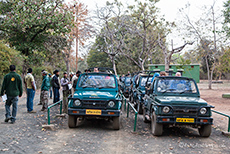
column 56, row 82
column 12, row 85
column 45, row 83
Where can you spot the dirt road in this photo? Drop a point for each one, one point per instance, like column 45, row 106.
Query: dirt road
column 97, row 136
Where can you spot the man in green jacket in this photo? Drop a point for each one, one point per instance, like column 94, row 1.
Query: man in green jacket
column 12, row 87
column 45, row 90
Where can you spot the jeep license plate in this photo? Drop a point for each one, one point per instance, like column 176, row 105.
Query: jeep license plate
column 93, row 112
column 185, row 120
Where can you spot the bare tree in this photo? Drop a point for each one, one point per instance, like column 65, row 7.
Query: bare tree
column 168, row 53
column 203, row 30
column 110, row 18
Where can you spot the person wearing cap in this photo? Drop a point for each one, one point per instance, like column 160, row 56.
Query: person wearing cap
column 45, row 91
column 56, row 86
column 65, row 89
column 31, row 87
column 12, row 87
column 40, row 103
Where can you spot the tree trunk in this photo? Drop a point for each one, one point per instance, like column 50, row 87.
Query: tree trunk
column 208, row 72
column 67, row 65
column 166, row 64
column 142, row 66
column 114, row 65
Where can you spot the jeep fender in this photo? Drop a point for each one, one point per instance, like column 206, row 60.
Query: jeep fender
column 154, row 108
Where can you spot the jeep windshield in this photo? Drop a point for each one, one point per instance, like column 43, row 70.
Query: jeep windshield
column 176, row 86
column 97, row 81
column 144, row 79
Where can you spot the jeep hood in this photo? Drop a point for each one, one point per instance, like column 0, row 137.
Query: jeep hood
column 102, row 95
column 178, row 100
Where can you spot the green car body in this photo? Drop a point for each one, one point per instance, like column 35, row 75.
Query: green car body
column 93, row 99
column 175, row 101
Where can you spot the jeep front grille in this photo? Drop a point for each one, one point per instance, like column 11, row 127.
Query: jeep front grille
column 94, row 104
column 185, row 110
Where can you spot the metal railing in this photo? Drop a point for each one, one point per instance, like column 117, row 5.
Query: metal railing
column 48, row 110
column 127, row 111
column 225, row 116
column 135, row 121
column 123, row 99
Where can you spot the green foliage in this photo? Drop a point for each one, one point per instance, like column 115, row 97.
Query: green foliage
column 29, row 23
column 98, row 59
column 9, row 56
column 224, row 63
column 226, row 13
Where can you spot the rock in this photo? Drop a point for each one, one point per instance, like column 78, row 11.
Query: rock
column 61, row 115
column 49, row 127
column 225, row 133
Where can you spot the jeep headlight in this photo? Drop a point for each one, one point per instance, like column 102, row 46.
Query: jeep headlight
column 166, row 109
column 111, row 104
column 203, row 110
column 77, row 102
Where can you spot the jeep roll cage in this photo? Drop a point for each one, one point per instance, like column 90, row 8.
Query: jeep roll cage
column 103, row 70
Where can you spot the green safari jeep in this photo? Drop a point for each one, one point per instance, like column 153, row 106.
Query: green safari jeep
column 96, row 96
column 175, row 101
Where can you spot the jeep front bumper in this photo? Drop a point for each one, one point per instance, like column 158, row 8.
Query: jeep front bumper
column 180, row 120
column 94, row 112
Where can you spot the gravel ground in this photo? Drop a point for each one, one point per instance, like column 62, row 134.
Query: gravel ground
column 97, row 136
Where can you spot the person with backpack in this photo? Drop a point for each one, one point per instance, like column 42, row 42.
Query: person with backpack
column 45, row 90
column 56, row 86
column 65, row 89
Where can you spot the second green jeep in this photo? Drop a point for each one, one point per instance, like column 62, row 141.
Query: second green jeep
column 175, row 101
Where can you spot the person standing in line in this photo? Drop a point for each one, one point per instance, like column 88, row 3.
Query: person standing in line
column 31, row 87
column 12, row 87
column 45, row 90
column 56, row 86
column 50, row 90
column 71, row 76
column 40, row 102
column 65, row 89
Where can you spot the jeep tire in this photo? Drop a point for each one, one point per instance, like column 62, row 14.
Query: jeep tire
column 72, row 121
column 116, row 123
column 205, row 130
column 144, row 115
column 156, row 129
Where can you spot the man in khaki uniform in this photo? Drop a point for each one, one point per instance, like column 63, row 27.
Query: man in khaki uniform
column 31, row 87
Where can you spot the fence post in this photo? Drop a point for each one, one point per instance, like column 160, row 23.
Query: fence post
column 61, row 107
column 135, row 122
column 48, row 112
column 128, row 111
column 228, row 124
column 125, row 103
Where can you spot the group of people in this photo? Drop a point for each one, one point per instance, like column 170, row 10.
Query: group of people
column 13, row 89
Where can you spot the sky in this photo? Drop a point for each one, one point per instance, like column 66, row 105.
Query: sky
column 168, row 8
